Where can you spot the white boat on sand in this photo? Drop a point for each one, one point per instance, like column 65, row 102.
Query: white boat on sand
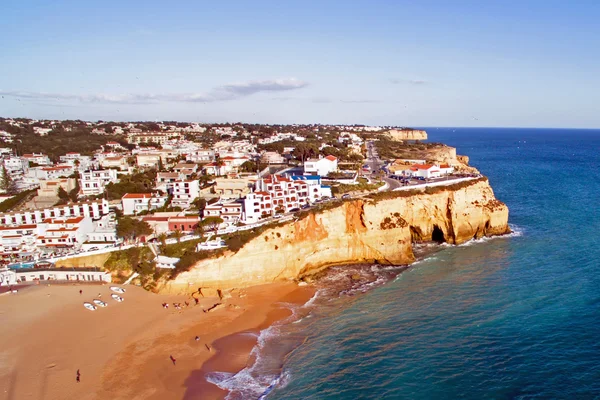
column 100, row 303
column 117, row 289
column 117, row 297
column 89, row 306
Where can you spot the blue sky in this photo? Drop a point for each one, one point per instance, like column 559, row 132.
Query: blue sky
column 522, row 63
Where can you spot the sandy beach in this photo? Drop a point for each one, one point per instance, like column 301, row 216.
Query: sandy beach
column 123, row 351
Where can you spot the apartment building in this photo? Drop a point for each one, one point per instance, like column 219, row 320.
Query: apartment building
column 94, row 209
column 230, row 213
column 184, row 193
column 64, row 232
column 92, row 183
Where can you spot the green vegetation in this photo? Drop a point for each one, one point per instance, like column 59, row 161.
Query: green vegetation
column 129, row 228
column 138, row 182
column 58, row 141
column 8, row 204
column 235, row 241
column 428, row 190
column 7, row 185
column 362, row 186
column 211, row 223
column 389, row 149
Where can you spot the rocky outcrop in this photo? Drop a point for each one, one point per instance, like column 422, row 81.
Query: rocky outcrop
column 358, row 231
column 406, row 134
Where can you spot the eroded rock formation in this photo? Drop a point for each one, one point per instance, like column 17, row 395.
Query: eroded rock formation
column 358, row 231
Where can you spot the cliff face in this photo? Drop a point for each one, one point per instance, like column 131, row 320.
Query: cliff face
column 407, row 134
column 359, row 231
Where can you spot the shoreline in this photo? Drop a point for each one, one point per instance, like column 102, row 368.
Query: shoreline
column 123, row 350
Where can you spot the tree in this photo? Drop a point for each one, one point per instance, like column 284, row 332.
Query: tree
column 177, row 234
column 302, row 151
column 211, row 223
column 199, row 203
column 129, row 228
column 7, row 184
column 219, row 163
column 248, row 166
column 199, row 230
column 63, row 196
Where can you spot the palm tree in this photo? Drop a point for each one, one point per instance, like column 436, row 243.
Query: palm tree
column 177, row 234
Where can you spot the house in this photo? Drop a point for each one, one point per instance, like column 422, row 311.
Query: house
column 233, row 188
column 49, row 188
column 118, row 162
column 39, row 159
column 426, row 171
column 46, row 173
column 200, row 156
column 134, row 203
column 81, row 163
column 183, row 167
column 322, row 166
column 183, row 223
column 92, row 183
column 165, row 180
column 184, row 193
column 272, row 157
column 151, row 160
column 166, row 262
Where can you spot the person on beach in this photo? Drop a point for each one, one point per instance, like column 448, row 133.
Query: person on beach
column 81, row 292
column 173, row 360
column 78, row 379
column 197, row 338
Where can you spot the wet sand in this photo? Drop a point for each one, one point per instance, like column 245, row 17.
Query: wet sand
column 123, row 350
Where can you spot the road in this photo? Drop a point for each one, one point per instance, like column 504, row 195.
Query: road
column 375, row 163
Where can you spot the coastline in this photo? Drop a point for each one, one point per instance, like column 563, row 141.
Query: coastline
column 123, row 350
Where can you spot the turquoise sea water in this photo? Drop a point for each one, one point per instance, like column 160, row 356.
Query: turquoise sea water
column 516, row 317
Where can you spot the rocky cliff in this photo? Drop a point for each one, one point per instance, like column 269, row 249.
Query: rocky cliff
column 407, row 134
column 358, row 231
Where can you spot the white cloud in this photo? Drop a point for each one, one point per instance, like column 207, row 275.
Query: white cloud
column 220, row 93
column 409, row 81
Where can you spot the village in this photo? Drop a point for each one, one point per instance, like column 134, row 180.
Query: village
column 175, row 182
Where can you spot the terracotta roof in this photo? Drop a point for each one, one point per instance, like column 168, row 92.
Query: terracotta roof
column 331, row 158
column 8, row 228
column 137, row 196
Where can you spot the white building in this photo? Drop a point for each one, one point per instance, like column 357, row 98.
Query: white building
column 17, row 239
column 321, row 166
column 38, row 158
column 201, row 155
column 166, row 262
column 230, row 213
column 46, row 173
column 429, row 171
column 92, row 183
column 134, row 203
column 9, row 277
column 184, row 193
column 64, row 232
column 94, row 209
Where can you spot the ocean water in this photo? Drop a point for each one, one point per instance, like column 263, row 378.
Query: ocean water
column 515, row 317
